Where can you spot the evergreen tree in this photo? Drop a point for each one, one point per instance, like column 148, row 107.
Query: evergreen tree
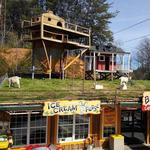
column 92, row 14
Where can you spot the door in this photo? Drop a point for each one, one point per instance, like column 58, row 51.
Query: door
column 107, row 62
column 133, row 126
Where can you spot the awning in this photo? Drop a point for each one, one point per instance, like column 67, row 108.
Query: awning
column 18, row 107
column 130, row 105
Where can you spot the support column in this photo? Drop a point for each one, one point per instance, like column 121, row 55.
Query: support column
column 129, row 60
column 62, row 67
column 94, row 67
column 112, row 67
column 33, row 60
column 50, row 65
column 122, row 62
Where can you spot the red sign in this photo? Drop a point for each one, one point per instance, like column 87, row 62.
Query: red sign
column 109, row 116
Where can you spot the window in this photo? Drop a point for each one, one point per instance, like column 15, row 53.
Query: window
column 71, row 128
column 28, row 128
column 19, row 128
column 110, row 58
column 49, row 19
column 37, row 129
column 37, row 19
column 59, row 24
column 102, row 58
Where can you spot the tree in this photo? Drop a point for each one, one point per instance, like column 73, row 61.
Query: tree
column 92, row 14
column 143, row 59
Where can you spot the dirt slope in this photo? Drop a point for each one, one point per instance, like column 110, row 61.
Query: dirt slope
column 14, row 55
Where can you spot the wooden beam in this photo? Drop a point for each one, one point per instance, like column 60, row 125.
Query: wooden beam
column 74, row 59
column 46, row 54
column 48, row 129
column 112, row 67
column 33, row 59
column 94, row 69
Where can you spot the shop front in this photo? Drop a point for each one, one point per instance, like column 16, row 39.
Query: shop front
column 71, row 122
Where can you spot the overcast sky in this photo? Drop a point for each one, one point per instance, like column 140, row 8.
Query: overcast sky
column 130, row 12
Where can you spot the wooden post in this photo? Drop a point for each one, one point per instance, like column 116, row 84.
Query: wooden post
column 50, row 62
column 148, row 126
column 94, row 72
column 116, row 115
column 90, row 38
column 122, row 62
column 62, row 66
column 48, row 129
column 42, row 31
column 33, row 60
column 129, row 60
column 83, row 73
column 112, row 66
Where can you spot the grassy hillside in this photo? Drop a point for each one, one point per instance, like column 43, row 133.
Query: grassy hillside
column 43, row 89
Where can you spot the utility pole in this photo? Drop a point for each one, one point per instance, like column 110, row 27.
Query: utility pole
column 2, row 20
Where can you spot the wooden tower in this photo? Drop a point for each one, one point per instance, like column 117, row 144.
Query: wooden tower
column 51, row 36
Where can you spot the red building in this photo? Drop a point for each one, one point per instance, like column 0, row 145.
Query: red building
column 107, row 62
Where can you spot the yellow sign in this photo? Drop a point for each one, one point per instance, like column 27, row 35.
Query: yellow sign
column 146, row 101
column 66, row 107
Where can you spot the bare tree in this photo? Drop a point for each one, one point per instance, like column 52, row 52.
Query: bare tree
column 143, row 59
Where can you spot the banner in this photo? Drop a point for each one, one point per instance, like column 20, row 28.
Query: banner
column 66, row 107
column 146, row 101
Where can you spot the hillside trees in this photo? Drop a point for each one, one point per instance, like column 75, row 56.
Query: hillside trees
column 93, row 14
column 143, row 59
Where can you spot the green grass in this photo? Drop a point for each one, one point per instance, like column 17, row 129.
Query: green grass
column 44, row 89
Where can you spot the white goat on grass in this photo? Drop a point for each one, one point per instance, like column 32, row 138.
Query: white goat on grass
column 14, row 80
column 123, row 82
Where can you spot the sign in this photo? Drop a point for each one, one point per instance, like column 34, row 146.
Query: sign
column 146, row 101
column 109, row 116
column 66, row 107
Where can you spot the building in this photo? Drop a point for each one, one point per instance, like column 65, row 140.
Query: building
column 68, row 123
column 107, row 62
column 50, row 36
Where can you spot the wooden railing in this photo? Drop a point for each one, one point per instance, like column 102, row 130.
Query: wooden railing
column 77, row 28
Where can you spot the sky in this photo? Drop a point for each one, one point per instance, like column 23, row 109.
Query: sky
column 130, row 12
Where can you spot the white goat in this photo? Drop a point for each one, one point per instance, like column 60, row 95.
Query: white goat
column 13, row 80
column 123, row 80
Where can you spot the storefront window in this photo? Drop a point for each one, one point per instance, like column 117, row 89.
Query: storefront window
column 73, row 128
column 19, row 128
column 37, row 129
column 28, row 128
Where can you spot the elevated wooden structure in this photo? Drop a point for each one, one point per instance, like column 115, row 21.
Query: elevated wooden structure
column 106, row 63
column 51, row 36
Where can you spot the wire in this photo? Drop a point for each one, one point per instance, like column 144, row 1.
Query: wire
column 124, row 29
column 141, row 37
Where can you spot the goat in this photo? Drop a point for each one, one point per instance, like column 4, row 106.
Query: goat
column 123, row 80
column 14, row 80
